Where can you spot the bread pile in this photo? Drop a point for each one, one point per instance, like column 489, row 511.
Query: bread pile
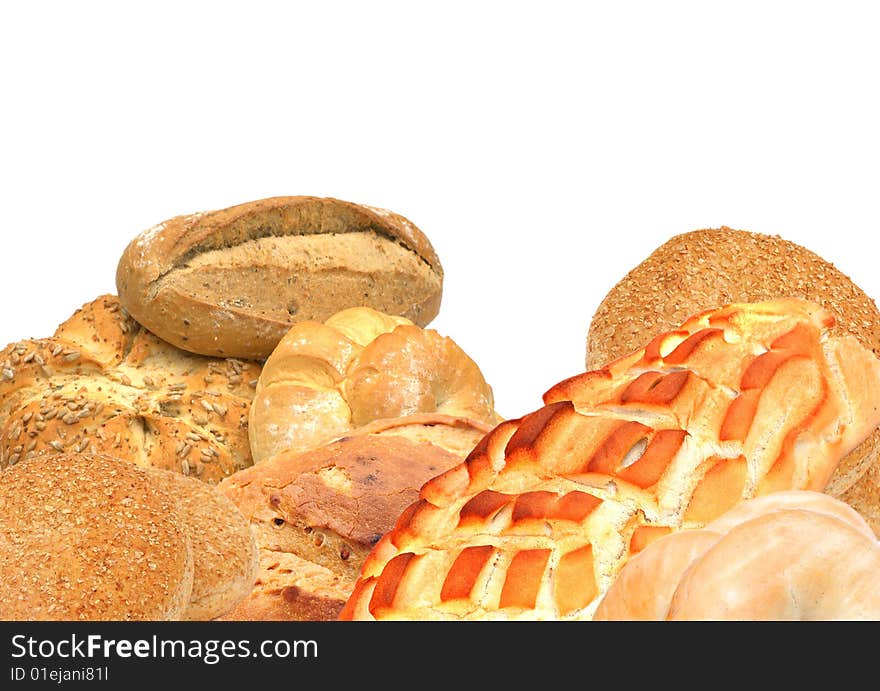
column 328, row 299
column 91, row 537
column 350, row 417
column 262, row 426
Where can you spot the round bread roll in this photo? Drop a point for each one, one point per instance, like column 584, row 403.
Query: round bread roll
column 232, row 282
column 88, row 537
column 103, row 384
column 318, row 513
column 785, row 555
column 223, row 545
column 327, row 380
column 704, row 269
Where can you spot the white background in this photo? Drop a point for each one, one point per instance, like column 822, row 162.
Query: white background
column 545, row 148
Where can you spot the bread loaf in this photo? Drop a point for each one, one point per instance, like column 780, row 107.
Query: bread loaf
column 318, row 513
column 232, row 282
column 793, row 555
column 103, row 384
column 537, row 522
column 706, row 268
column 89, row 537
column 223, row 545
column 362, row 367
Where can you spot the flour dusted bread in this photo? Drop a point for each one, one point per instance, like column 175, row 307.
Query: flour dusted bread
column 104, row 384
column 537, row 522
column 232, row 282
column 318, row 513
column 89, row 537
column 362, row 367
column 703, row 269
column 223, row 545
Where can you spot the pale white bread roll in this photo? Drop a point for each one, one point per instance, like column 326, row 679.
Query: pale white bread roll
column 649, row 582
column 363, row 367
column 736, row 402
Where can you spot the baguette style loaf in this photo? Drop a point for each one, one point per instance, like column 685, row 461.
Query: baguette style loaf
column 103, row 384
column 537, row 522
column 231, row 283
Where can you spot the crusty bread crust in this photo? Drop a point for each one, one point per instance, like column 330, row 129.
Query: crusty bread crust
column 326, row 508
column 231, row 282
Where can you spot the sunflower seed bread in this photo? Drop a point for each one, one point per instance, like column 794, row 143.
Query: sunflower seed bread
column 104, row 384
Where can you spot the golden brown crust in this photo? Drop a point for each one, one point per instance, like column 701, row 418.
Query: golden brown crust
column 89, row 537
column 325, row 380
column 288, row 588
column 704, row 269
column 327, row 507
column 104, row 384
column 224, row 550
column 236, row 317
column 734, row 403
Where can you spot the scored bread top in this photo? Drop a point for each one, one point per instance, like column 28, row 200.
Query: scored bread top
column 231, row 282
column 89, row 537
column 104, row 384
column 538, row 520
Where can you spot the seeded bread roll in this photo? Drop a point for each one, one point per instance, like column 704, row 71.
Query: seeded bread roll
column 232, row 282
column 104, row 384
column 707, row 268
column 88, row 537
column 318, row 513
column 223, row 545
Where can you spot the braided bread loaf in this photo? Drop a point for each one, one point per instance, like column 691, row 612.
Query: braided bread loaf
column 539, row 519
column 104, row 384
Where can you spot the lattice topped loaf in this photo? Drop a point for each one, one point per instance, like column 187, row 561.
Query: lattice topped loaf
column 539, row 519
